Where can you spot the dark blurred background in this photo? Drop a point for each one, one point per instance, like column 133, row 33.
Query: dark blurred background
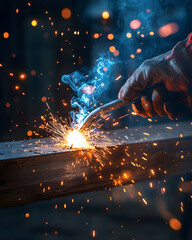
column 42, row 40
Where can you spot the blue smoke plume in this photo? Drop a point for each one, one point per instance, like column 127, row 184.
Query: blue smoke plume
column 88, row 87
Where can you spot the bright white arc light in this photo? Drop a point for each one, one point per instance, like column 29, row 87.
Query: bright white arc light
column 75, row 139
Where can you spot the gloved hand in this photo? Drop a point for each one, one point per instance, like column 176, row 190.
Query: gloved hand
column 170, row 77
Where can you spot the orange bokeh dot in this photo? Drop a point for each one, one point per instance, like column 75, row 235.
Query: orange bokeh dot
column 34, row 23
column 112, row 49
column 175, row 224
column 129, row 35
column 44, row 99
column 66, row 13
column 22, row 76
column 105, row 15
column 33, row 72
column 29, row 133
column 116, row 53
column 135, row 24
column 132, row 55
column 17, row 87
column 96, row 35
column 138, row 50
column 26, row 215
column 5, row 34
column 110, row 36
column 8, row 105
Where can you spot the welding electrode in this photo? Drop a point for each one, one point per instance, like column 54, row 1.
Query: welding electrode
column 116, row 104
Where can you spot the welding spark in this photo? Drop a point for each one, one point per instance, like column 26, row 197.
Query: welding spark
column 66, row 136
column 116, row 79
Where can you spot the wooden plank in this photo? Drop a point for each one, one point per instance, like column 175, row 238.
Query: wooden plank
column 36, row 170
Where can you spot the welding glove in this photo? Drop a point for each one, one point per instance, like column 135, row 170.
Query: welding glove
column 169, row 76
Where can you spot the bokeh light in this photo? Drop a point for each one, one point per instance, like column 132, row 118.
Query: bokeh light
column 34, row 23
column 66, row 13
column 112, row 49
column 44, row 99
column 5, row 34
column 175, row 224
column 110, row 36
column 105, row 15
column 27, row 215
column 116, row 53
column 33, row 72
column 138, row 50
column 22, row 76
column 128, row 35
column 96, row 35
column 17, row 87
column 132, row 55
column 151, row 33
column 29, row 133
column 8, row 105
column 135, row 24
column 168, row 29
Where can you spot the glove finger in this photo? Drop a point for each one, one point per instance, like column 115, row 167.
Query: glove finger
column 137, row 83
column 158, row 98
column 147, row 105
column 137, row 108
column 126, row 93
